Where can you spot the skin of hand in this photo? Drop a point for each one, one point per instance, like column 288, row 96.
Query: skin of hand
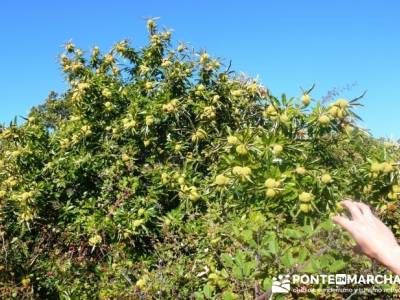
column 373, row 238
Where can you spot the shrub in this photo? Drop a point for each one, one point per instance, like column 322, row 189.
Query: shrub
column 160, row 173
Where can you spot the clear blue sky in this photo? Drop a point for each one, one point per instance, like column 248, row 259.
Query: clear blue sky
column 287, row 43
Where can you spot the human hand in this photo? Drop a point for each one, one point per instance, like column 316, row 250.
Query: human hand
column 373, row 238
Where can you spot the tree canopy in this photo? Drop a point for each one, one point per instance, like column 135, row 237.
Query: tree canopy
column 160, row 173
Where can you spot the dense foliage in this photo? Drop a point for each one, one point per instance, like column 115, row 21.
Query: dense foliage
column 162, row 174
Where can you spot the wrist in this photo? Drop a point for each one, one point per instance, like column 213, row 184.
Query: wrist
column 392, row 259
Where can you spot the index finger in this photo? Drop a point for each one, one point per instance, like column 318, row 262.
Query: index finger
column 352, row 208
column 345, row 223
